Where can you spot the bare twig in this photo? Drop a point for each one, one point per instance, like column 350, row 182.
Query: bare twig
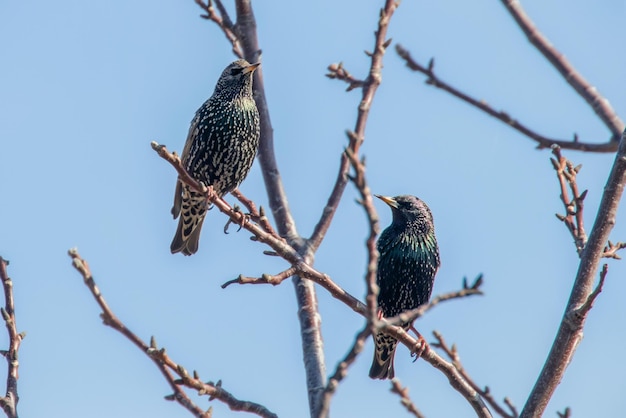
column 10, row 400
column 264, row 279
column 222, row 20
column 405, row 400
column 573, row 218
column 258, row 216
column 589, row 93
column 356, row 138
column 456, row 379
column 412, row 315
column 453, row 355
column 166, row 365
column 567, row 413
column 342, row 370
column 569, row 336
column 337, row 71
column 542, row 141
column 610, row 251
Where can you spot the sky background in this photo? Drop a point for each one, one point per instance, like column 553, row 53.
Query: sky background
column 85, row 87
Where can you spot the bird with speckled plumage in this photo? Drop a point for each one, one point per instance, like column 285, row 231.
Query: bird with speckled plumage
column 407, row 264
column 221, row 146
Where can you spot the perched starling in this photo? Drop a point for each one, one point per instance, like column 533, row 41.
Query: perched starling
column 221, row 145
column 409, row 259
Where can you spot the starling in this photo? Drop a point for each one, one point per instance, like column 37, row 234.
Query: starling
column 409, row 259
column 221, row 145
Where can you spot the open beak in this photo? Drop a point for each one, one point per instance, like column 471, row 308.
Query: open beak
column 250, row 68
column 388, row 200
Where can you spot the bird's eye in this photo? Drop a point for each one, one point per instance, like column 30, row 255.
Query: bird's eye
column 236, row 71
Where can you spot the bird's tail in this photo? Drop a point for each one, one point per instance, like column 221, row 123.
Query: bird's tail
column 192, row 207
column 384, row 352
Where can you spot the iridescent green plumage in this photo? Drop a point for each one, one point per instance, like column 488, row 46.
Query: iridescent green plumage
column 408, row 262
column 220, row 149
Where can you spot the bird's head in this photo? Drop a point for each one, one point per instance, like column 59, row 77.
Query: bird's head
column 237, row 78
column 408, row 209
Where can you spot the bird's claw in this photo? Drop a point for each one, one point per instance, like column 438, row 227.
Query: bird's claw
column 420, row 348
column 245, row 218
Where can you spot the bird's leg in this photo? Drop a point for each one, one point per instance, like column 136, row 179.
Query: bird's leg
column 421, row 347
column 245, row 217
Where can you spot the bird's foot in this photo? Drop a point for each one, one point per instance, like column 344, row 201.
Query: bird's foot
column 421, row 347
column 245, row 218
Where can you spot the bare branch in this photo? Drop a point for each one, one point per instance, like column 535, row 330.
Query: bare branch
column 342, row 370
column 10, row 400
column 222, row 20
column 573, row 218
column 336, row 71
column 412, row 315
column 264, row 279
column 542, row 141
column 610, row 251
column 405, row 400
column 165, row 364
column 356, row 138
column 567, row 413
column 453, row 355
column 456, row 379
column 589, row 93
column 569, row 336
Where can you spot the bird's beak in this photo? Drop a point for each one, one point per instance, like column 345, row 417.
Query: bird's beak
column 388, row 200
column 250, row 68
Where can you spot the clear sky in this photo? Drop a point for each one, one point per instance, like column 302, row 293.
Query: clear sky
column 85, row 87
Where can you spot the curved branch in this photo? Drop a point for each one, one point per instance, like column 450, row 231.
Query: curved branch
column 542, row 141
column 570, row 332
column 589, row 93
column 164, row 363
column 356, row 138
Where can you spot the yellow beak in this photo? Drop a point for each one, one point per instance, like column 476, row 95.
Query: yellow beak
column 388, row 200
column 250, row 68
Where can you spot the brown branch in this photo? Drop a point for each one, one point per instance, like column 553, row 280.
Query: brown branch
column 567, row 413
column 336, row 71
column 405, row 400
column 412, row 315
column 453, row 355
column 279, row 245
column 257, row 216
column 457, row 380
column 264, row 279
column 222, row 20
column 542, row 141
column 164, row 363
column 573, row 218
column 10, row 400
column 610, row 250
column 341, row 371
column 569, row 336
column 589, row 93
column 356, row 138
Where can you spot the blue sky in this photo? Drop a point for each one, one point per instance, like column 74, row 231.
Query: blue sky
column 85, row 87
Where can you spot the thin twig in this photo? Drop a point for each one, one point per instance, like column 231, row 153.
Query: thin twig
column 412, row 315
column 542, row 141
column 165, row 364
column 264, row 279
column 10, row 400
column 453, row 355
column 568, row 337
column 589, row 93
column 341, row 371
column 222, row 20
column 356, row 138
column 405, row 400
column 573, row 218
